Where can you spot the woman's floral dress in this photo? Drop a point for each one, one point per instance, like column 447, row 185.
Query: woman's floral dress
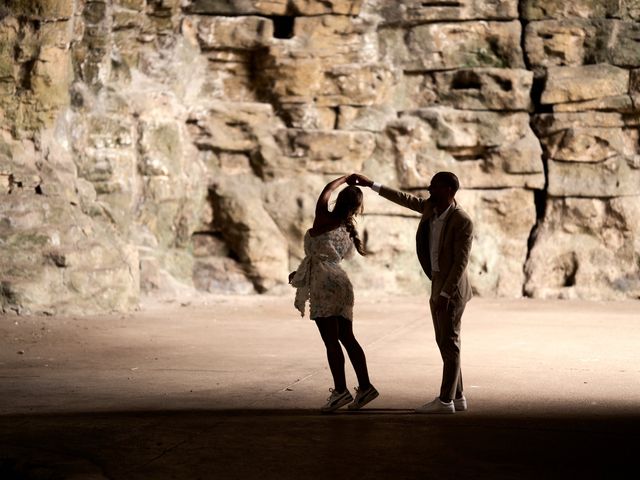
column 321, row 279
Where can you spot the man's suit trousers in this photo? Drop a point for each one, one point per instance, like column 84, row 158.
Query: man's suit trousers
column 447, row 330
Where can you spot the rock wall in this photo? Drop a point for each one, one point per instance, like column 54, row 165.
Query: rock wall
column 166, row 147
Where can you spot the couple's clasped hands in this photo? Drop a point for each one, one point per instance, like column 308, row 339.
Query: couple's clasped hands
column 359, row 180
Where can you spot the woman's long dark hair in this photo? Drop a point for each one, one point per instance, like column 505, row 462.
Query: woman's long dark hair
column 348, row 205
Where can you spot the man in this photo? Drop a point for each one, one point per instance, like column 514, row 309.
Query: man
column 443, row 243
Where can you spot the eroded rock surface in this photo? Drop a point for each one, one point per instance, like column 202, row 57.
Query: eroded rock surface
column 176, row 146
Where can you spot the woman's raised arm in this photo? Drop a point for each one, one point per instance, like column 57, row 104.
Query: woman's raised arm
column 322, row 206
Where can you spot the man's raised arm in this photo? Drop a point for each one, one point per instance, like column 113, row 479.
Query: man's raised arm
column 401, row 198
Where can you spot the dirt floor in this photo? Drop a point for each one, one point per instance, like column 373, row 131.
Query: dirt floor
column 230, row 388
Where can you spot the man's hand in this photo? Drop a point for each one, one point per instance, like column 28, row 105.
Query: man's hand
column 358, row 179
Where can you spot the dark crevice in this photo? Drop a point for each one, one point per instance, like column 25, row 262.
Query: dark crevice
column 540, row 196
column 336, row 121
column 505, row 84
column 466, row 80
column 539, row 84
column 441, row 4
column 570, row 271
column 283, row 26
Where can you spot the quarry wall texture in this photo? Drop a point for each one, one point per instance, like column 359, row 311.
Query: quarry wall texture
column 164, row 146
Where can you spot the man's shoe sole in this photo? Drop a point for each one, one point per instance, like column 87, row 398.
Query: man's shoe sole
column 372, row 396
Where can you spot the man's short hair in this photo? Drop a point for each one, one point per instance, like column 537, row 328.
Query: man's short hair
column 449, row 179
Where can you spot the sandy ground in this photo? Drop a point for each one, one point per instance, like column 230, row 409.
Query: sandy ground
column 230, row 389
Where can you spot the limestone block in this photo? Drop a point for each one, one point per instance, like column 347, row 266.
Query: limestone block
column 5, row 183
column 617, row 103
column 632, row 9
column 331, row 36
column 209, row 244
column 309, row 116
column 590, row 161
column 294, row 80
column 391, row 264
column 334, row 7
column 18, row 159
column 549, row 123
column 231, row 126
column 52, row 77
column 559, row 9
column 238, row 33
column 35, row 73
column 232, row 163
column 615, row 176
column 104, row 154
column 222, row 276
column 372, row 119
column 229, row 77
column 9, row 29
column 41, row 9
column 502, row 222
column 356, row 85
column 250, row 232
column 442, row 46
column 485, row 149
column 586, row 248
column 412, row 12
column 325, row 51
column 580, row 42
column 551, row 43
column 327, row 151
column 617, row 43
column 167, row 274
column 291, row 202
column 571, row 84
column 57, row 260
column 108, row 130
column 124, row 18
column 160, row 146
column 473, row 89
column 587, row 136
column 591, row 145
column 311, row 80
column 135, row 5
column 171, row 207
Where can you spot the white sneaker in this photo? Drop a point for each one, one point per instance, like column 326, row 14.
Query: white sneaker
column 363, row 397
column 460, row 404
column 336, row 400
column 436, row 406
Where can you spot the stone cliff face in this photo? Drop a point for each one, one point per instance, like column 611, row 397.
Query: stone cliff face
column 159, row 146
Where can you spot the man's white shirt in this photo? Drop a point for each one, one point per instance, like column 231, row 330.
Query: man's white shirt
column 436, row 223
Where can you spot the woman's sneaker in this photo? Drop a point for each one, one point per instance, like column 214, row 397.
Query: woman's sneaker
column 363, row 397
column 336, row 400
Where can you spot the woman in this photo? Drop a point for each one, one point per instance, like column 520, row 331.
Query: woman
column 322, row 281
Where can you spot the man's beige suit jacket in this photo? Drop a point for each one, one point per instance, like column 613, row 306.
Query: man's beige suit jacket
column 455, row 243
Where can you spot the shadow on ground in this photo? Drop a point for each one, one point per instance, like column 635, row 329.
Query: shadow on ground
column 373, row 443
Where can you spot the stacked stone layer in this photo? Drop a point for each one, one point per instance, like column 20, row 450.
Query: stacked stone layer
column 158, row 146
